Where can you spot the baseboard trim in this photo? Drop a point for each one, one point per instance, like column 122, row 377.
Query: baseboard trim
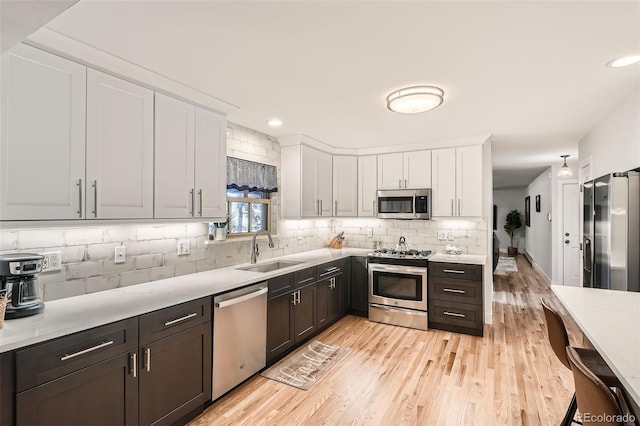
column 542, row 273
column 529, row 258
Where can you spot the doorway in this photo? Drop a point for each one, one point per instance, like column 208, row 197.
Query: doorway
column 570, row 234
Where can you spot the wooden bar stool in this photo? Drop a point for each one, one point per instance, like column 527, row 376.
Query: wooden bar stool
column 559, row 340
column 594, row 396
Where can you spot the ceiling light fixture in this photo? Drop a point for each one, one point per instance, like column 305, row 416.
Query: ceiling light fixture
column 565, row 171
column 624, row 61
column 415, row 99
column 274, row 122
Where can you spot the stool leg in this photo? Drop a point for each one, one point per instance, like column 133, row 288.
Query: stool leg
column 571, row 411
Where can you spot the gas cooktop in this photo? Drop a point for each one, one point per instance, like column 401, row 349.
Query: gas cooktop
column 400, row 257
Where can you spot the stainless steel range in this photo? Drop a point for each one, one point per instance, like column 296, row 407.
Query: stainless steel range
column 398, row 286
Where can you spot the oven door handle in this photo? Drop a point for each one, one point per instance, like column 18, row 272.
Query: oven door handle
column 395, row 308
column 379, row 267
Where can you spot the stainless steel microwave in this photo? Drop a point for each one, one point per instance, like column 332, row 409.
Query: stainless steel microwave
column 404, row 204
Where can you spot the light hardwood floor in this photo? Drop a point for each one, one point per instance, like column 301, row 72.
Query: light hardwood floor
column 395, row 375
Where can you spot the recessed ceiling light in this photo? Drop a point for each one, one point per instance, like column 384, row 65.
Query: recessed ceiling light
column 624, row 61
column 274, row 122
column 415, row 99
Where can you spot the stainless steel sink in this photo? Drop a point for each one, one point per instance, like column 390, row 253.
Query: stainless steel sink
column 268, row 267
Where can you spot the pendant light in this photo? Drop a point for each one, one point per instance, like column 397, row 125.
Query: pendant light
column 565, row 171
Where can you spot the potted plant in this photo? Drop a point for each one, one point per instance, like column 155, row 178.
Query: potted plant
column 221, row 229
column 514, row 221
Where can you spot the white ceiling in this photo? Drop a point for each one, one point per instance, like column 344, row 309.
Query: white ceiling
column 532, row 74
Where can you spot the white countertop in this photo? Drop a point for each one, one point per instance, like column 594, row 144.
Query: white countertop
column 73, row 314
column 473, row 259
column 611, row 321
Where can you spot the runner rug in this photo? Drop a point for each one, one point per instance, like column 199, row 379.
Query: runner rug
column 305, row 367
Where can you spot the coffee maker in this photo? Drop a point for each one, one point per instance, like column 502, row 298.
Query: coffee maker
column 18, row 279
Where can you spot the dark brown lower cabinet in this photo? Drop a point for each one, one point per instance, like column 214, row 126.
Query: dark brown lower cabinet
column 305, row 319
column 330, row 300
column 175, row 376
column 359, row 285
column 102, row 394
column 280, row 331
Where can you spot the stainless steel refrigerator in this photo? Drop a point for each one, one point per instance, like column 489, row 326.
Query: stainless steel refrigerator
column 611, row 242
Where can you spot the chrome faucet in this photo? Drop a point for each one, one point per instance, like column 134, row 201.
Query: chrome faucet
column 255, row 252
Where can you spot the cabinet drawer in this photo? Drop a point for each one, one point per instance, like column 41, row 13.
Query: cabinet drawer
column 460, row 314
column 162, row 323
column 462, row 291
column 47, row 361
column 281, row 284
column 460, row 271
column 304, row 277
column 330, row 268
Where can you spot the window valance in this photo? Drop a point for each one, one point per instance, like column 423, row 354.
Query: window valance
column 245, row 175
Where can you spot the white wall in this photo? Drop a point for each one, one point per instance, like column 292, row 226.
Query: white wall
column 614, row 143
column 538, row 235
column 507, row 200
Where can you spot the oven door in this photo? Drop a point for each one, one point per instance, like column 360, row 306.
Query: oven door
column 396, row 285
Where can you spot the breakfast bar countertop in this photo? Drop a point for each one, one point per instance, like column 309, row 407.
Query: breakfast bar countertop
column 611, row 321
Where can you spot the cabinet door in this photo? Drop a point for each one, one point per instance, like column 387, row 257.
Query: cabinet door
column 367, row 185
column 174, row 157
column 335, row 299
column 305, row 313
column 469, row 181
column 322, row 305
column 417, row 169
column 325, row 183
column 175, row 376
column 308, row 178
column 390, row 175
column 359, row 286
column 211, row 164
column 103, row 394
column 119, row 148
column 345, row 185
column 280, row 331
column 43, row 138
column 443, row 189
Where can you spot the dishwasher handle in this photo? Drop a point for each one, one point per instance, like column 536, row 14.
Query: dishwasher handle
column 241, row 299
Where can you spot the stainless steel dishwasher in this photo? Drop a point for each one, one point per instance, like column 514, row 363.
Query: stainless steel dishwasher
column 239, row 336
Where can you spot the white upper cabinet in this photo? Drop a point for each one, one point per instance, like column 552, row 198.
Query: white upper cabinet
column 404, row 170
column 190, row 160
column 119, row 148
column 307, row 186
column 457, row 182
column 367, row 185
column 390, row 175
column 345, row 185
column 42, row 149
column 211, row 164
column 174, row 158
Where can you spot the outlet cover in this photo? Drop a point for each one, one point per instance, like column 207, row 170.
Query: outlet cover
column 184, row 247
column 120, row 255
column 442, row 235
column 52, row 261
column 369, row 232
column 450, row 236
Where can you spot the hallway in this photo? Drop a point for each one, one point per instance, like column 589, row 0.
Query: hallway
column 394, row 375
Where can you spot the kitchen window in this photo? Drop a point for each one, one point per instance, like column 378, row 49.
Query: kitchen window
column 249, row 188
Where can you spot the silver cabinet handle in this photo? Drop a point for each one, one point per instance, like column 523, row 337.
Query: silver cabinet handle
column 298, row 296
column 86, row 351
column 320, row 207
column 374, row 207
column 415, row 213
column 459, row 213
column 400, row 183
column 452, row 271
column 95, row 198
column 329, row 270
column 147, row 359
column 240, row 299
column 177, row 320
column 453, row 314
column 452, row 290
column 193, row 201
column 293, row 298
column 405, row 184
column 306, row 280
column 317, row 207
column 335, row 208
column 452, row 214
column 200, row 208
column 79, row 197
column 134, row 364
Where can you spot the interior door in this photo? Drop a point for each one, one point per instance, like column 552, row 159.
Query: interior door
column 570, row 234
